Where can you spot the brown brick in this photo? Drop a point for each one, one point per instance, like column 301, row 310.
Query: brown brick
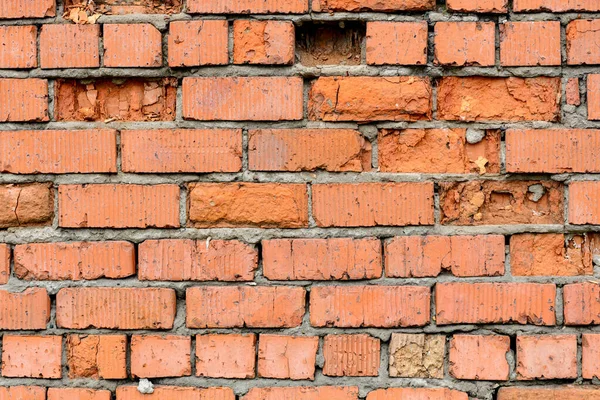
column 583, row 38
column 547, row 357
column 480, row 6
column 400, row 43
column 22, row 393
column 247, row 6
column 160, row 356
column 287, row 357
column 530, row 43
column 28, row 310
column 545, row 393
column 302, row 393
column 69, row 46
column 18, row 46
column 26, row 204
column 351, row 355
column 31, row 356
column 372, row 5
column 413, row 393
column 226, row 356
column 263, row 42
column 97, row 356
column 417, row 355
column 465, row 43
column 23, row 100
column 78, row 394
column 556, row 6
column 195, row 43
column 479, row 357
column 590, row 344
column 583, row 206
column 132, row 45
column 13, row 9
column 119, row 7
column 175, row 393
column 582, row 303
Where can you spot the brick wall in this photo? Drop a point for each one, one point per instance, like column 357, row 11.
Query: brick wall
column 299, row 199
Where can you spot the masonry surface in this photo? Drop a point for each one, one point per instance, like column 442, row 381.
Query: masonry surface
column 299, row 199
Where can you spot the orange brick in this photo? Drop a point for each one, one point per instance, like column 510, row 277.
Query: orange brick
column 263, row 42
column 27, row 9
column 583, row 39
column 69, row 46
column 181, row 150
column 424, row 256
column 160, row 356
column 115, row 308
column 593, row 96
column 97, row 356
column 118, row 206
column 501, row 202
column 26, row 205
column 373, row 204
column 547, row 357
column 498, row 99
column 31, row 356
column 530, row 43
column 74, row 261
column 119, row 7
column 247, row 6
column 572, row 92
column 401, row 43
column 18, row 46
column 590, row 344
column 23, row 393
column 58, row 151
column 226, row 356
column 416, row 394
column 481, row 303
column 287, row 357
column 132, row 45
column 23, row 100
column 549, row 254
column 243, row 98
column 27, row 310
column 4, row 263
column 465, row 43
column 195, row 43
column 372, row 5
column 582, row 303
column 267, row 205
column 369, row 306
column 480, row 6
column 351, row 355
column 175, row 393
column 544, row 393
column 468, row 361
column 335, row 98
column 78, row 394
column 556, row 5
column 244, row 306
column 583, row 206
column 196, row 260
column 437, row 151
column 302, row 393
column 321, row 259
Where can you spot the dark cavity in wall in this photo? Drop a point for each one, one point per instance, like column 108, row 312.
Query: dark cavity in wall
column 337, row 43
column 127, row 6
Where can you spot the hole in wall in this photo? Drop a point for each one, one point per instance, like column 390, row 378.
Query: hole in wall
column 330, row 43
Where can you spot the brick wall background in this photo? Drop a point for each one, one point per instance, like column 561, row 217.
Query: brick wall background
column 300, row 199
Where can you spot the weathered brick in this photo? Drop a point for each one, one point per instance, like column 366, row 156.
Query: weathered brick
column 302, row 393
column 501, row 202
column 336, row 150
column 18, row 46
column 263, row 42
column 97, row 356
column 582, row 303
column 530, row 43
column 160, row 356
column 69, row 46
column 413, row 393
column 583, row 207
column 504, row 303
column 31, row 356
column 22, row 393
column 132, row 45
column 4, row 263
column 498, row 99
column 351, row 355
column 369, row 306
column 26, row 204
column 424, row 256
column 118, row 206
column 242, row 98
column 401, row 43
column 119, row 7
column 27, row 310
column 593, row 96
column 417, row 355
column 244, row 306
column 247, row 6
column 115, row 308
column 372, row 5
column 465, row 43
column 196, row 260
column 195, row 43
column 78, row 394
column 14, row 9
column 24, row 100
column 547, row 357
column 546, row 392
column 590, row 348
column 556, row 5
column 287, row 357
column 479, row 357
column 406, row 98
column 266, row 205
column 572, row 94
column 480, row 6
column 175, row 393
column 181, row 150
column 226, row 356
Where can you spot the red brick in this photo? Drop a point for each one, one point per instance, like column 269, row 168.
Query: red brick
column 78, row 394
column 26, row 204
column 175, row 393
column 593, row 96
column 27, row 9
column 369, row 306
column 23, row 100
column 115, row 308
column 244, row 306
column 267, row 205
column 243, row 98
column 27, row 310
column 97, row 356
column 160, row 356
column 530, row 43
column 195, row 43
column 479, row 357
column 4, row 263
column 69, row 46
column 372, row 5
column 181, row 150
column 247, row 6
column 226, row 356
column 582, row 303
column 572, row 95
column 303, row 393
column 556, row 5
column 405, row 98
column 545, row 393
column 321, row 259
column 504, row 303
column 437, row 151
column 547, row 357
column 583, row 39
column 351, row 355
column 425, row 256
column 31, row 356
column 196, row 260
column 287, row 357
column 373, row 204
column 74, row 261
column 480, row 6
column 263, row 42
column 115, row 100
column 118, row 206
column 498, row 99
column 18, row 46
column 400, row 43
column 590, row 367
column 465, row 43
column 416, row 394
column 58, row 151
column 583, row 205
column 23, row 393
column 132, row 45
